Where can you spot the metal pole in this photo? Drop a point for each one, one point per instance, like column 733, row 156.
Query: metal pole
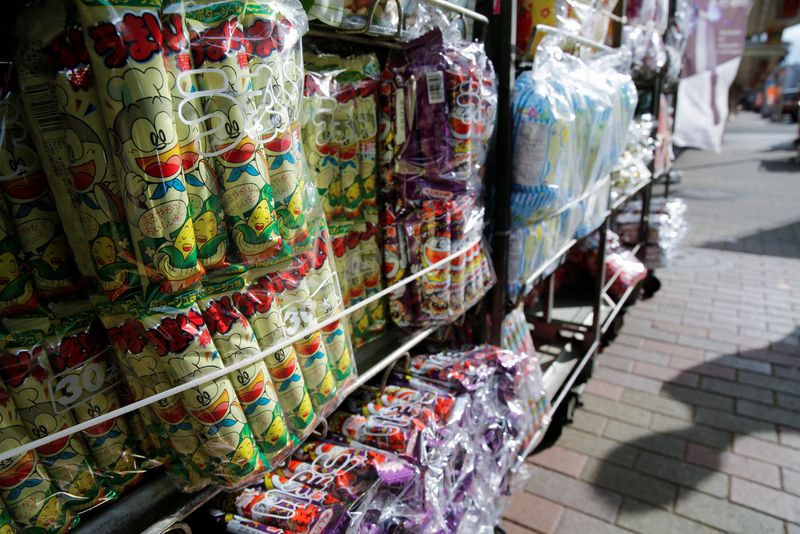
column 501, row 47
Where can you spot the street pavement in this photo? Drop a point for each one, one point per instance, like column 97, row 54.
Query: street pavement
column 691, row 422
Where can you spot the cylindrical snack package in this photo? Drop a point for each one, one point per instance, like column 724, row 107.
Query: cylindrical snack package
column 28, row 494
column 347, row 142
column 236, row 524
column 458, row 265
column 367, row 70
column 240, row 162
column 371, row 267
column 124, row 41
column 30, row 381
column 84, row 384
column 395, row 266
column 7, row 525
column 94, row 178
column 259, row 304
column 144, row 443
column 183, row 341
column 290, row 512
column 325, row 290
column 275, row 61
column 16, row 291
column 205, row 204
column 385, row 435
column 38, row 227
column 356, row 283
column 181, row 432
column 235, row 340
column 293, row 478
column 298, row 308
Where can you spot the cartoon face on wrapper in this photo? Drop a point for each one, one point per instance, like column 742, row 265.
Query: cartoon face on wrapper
column 185, row 240
column 205, row 227
column 103, row 251
column 9, row 268
column 226, row 127
column 276, row 431
column 57, row 252
column 87, row 156
column 260, row 217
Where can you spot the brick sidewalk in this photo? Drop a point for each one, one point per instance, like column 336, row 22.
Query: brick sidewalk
column 691, row 422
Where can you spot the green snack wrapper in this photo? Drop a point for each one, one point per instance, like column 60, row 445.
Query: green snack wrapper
column 239, row 160
column 259, row 304
column 205, row 204
column 172, row 422
column 28, row 494
column 276, row 62
column 124, row 41
column 93, row 176
column 85, row 385
column 7, row 525
column 16, row 288
column 33, row 212
column 26, row 372
column 371, row 269
column 235, row 340
column 367, row 70
column 182, row 340
column 347, row 141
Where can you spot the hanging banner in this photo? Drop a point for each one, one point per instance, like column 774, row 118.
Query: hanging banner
column 709, row 67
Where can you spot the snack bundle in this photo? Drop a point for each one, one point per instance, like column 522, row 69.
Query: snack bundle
column 428, row 453
column 666, row 228
column 437, row 106
column 339, row 132
column 572, row 119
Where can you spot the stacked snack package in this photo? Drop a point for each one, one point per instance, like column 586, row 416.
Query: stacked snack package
column 431, row 452
column 572, row 119
column 667, row 227
column 339, row 129
column 436, row 118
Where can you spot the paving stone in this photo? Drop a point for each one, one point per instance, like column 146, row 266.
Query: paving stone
column 644, row 438
column 736, row 390
column 709, row 345
column 771, row 501
column 791, row 373
column 617, row 410
column 737, row 362
column 673, row 349
column 792, row 529
column 597, row 447
column 575, row 522
column 562, row 460
column 666, row 374
column 723, row 515
column 534, row 512
column 637, row 354
column 574, row 494
column 762, row 412
column 791, row 481
column 603, row 389
column 680, row 328
column 696, row 397
column 771, row 356
column 769, row 382
column 589, row 422
column 657, row 403
column 700, row 478
column 513, row 528
column 734, row 464
column 614, row 362
column 626, row 339
column 789, row 437
column 709, row 369
column 735, row 423
column 630, row 483
column 645, row 519
column 698, row 434
column 628, row 380
column 789, row 401
column 768, row 452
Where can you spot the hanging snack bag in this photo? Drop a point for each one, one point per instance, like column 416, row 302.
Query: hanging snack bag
column 29, row 496
column 125, row 46
column 16, row 292
column 32, row 384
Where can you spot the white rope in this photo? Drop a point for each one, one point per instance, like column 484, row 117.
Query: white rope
column 219, row 373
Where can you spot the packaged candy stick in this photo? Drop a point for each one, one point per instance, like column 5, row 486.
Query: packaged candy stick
column 366, row 118
column 433, row 246
column 84, row 384
column 235, row 340
column 290, row 512
column 181, row 432
column 463, row 93
column 205, row 204
column 459, row 263
column 30, row 381
column 218, row 50
column 371, row 267
column 387, row 434
column 275, row 62
column 94, row 178
column 347, row 141
column 125, row 46
column 16, row 293
column 323, row 284
column 259, row 304
column 32, row 210
column 293, row 478
column 298, row 310
column 28, row 494
column 183, row 341
column 236, row 524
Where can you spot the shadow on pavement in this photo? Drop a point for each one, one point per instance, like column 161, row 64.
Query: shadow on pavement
column 608, row 476
column 783, row 241
column 779, row 165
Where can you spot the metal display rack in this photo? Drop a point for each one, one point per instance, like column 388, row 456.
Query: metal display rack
column 156, row 506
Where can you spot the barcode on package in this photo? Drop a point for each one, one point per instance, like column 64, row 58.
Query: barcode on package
column 44, row 108
column 435, row 87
